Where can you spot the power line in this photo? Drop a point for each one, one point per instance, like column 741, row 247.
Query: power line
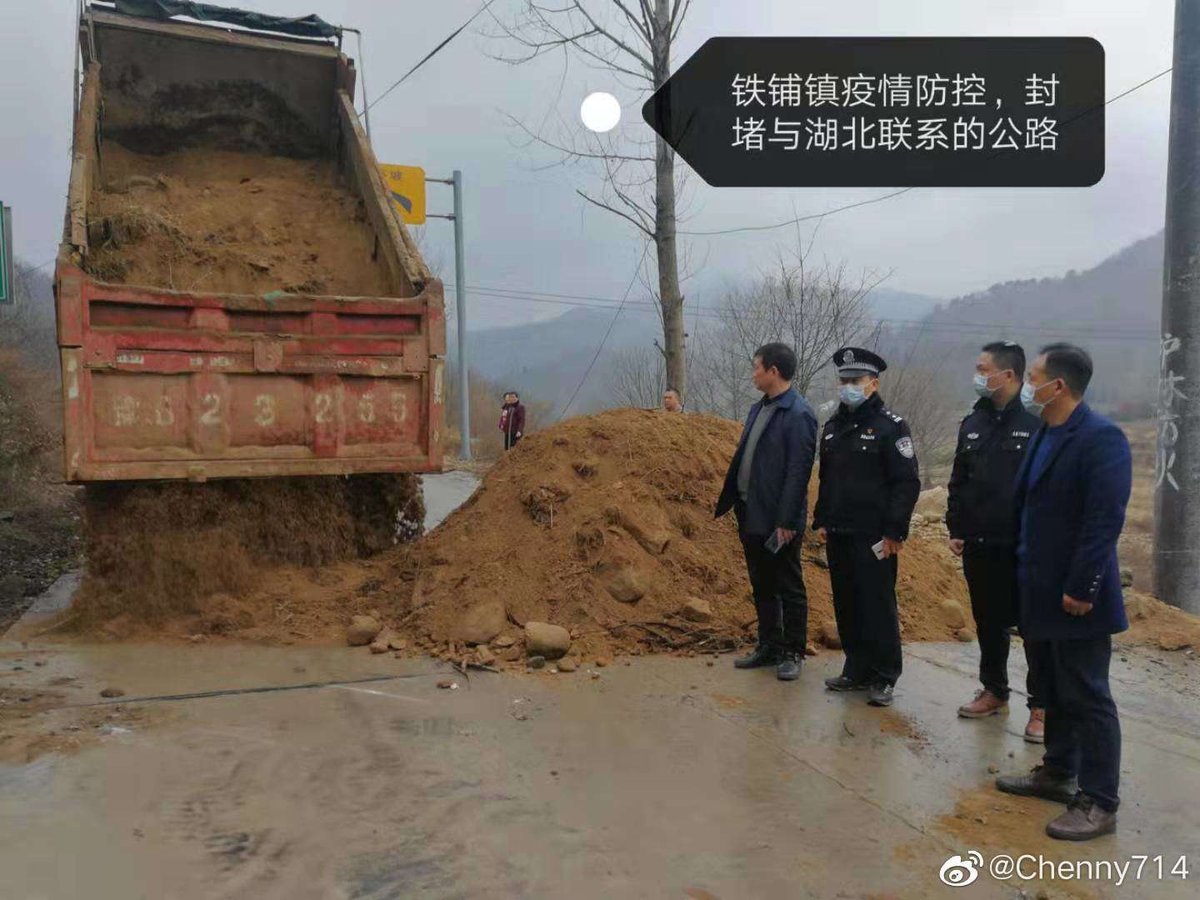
column 805, row 218
column 797, row 219
column 604, row 340
column 430, row 55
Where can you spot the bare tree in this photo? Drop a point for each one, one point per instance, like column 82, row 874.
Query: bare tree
column 637, row 377
column 918, row 389
column 631, row 39
column 815, row 308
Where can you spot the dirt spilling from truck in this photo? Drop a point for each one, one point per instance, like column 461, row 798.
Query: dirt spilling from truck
column 161, row 553
column 218, row 221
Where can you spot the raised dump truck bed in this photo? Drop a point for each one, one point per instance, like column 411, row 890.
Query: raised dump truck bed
column 235, row 296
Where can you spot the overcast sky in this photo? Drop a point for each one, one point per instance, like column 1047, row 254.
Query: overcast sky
column 526, row 227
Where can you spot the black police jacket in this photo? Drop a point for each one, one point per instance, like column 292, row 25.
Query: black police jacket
column 991, row 446
column 869, row 478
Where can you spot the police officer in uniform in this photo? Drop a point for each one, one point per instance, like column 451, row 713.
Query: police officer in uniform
column 992, row 442
column 869, row 486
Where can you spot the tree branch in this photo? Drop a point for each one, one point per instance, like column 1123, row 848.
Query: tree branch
column 640, row 227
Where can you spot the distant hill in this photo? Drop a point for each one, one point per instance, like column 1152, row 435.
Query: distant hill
column 1112, row 309
column 547, row 359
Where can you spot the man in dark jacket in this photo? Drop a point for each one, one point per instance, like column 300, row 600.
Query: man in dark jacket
column 512, row 419
column 869, row 486
column 1071, row 495
column 767, row 487
column 992, row 441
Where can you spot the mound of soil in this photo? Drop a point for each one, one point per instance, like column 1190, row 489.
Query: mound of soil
column 604, row 525
column 158, row 553
column 206, row 220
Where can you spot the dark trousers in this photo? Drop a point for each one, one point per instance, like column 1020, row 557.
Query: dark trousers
column 510, row 440
column 780, row 597
column 864, row 602
column 1083, row 734
column 991, row 573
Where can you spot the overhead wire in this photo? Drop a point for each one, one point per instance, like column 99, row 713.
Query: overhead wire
column 604, row 340
column 430, row 55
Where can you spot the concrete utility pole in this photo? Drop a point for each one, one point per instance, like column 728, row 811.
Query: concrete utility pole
column 1177, row 469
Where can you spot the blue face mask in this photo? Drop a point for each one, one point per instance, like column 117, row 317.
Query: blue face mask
column 852, row 395
column 1029, row 398
column 981, row 387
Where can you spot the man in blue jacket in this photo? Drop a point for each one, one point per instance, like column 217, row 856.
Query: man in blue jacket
column 1070, row 499
column 767, row 488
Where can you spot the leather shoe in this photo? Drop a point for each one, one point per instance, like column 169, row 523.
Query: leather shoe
column 1035, row 731
column 846, row 683
column 1082, row 821
column 762, row 655
column 1040, row 782
column 881, row 694
column 789, row 667
column 985, row 704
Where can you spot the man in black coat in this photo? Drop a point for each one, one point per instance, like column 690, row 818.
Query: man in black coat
column 992, row 443
column 767, row 487
column 869, row 486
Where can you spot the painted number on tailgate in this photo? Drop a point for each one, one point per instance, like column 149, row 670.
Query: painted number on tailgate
column 127, row 410
column 366, row 408
column 324, row 404
column 399, row 408
column 212, row 410
column 264, row 405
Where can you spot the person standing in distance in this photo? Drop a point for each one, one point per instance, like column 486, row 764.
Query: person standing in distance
column 868, row 488
column 1071, row 495
column 671, row 401
column 512, row 419
column 992, row 442
column 767, row 488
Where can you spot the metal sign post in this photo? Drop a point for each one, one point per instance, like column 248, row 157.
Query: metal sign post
column 460, row 295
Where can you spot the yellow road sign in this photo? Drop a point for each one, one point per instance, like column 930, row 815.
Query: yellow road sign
column 406, row 185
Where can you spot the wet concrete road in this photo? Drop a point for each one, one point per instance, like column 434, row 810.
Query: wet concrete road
column 666, row 778
column 445, row 493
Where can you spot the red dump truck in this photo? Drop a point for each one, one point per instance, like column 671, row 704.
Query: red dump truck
column 236, row 297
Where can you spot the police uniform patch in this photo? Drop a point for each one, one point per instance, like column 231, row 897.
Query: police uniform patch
column 905, row 446
column 973, row 435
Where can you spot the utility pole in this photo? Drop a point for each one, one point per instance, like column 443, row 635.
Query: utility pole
column 460, row 299
column 1177, row 468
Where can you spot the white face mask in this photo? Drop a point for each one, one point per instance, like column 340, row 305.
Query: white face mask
column 981, row 387
column 852, row 395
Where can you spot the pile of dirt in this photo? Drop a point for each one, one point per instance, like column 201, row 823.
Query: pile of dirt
column 1153, row 623
column 603, row 525
column 206, row 220
column 160, row 553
